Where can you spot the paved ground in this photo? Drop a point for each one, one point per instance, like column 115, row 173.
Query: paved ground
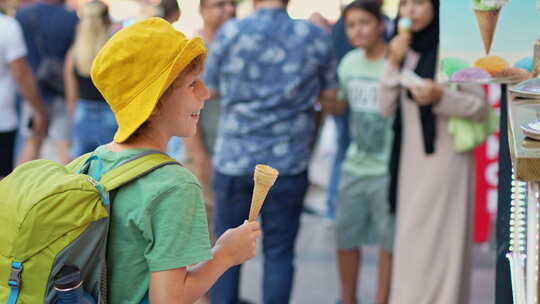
column 316, row 277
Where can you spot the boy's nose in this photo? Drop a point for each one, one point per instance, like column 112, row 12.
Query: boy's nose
column 204, row 93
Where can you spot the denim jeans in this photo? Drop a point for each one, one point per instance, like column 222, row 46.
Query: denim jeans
column 93, row 125
column 343, row 140
column 280, row 223
column 57, row 116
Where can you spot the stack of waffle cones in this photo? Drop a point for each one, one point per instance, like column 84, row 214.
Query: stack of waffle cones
column 264, row 177
column 536, row 59
column 487, row 22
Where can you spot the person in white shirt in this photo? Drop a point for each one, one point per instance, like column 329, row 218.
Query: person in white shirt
column 15, row 71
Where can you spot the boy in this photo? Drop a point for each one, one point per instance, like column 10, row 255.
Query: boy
column 362, row 215
column 149, row 75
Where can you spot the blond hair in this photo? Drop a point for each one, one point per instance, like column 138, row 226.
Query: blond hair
column 92, row 33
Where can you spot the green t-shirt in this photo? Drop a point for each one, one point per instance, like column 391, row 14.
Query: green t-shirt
column 371, row 133
column 158, row 222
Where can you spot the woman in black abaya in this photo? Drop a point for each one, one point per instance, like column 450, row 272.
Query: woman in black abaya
column 433, row 184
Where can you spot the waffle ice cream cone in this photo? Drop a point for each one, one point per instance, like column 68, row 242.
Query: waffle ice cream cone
column 487, row 23
column 264, row 178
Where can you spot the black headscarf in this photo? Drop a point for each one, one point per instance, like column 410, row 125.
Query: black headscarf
column 426, row 44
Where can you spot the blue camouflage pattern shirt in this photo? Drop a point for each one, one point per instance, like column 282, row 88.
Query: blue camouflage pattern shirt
column 269, row 71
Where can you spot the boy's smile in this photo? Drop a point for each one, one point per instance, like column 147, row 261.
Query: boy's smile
column 180, row 108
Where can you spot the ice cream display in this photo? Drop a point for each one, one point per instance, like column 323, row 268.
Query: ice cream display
column 529, row 88
column 525, row 63
column 450, row 65
column 513, row 75
column 471, row 75
column 487, row 15
column 492, row 64
column 264, row 177
column 497, row 36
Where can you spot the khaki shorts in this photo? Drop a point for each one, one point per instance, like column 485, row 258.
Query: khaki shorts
column 59, row 122
column 362, row 213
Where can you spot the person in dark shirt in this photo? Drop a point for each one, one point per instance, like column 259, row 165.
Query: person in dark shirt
column 49, row 30
column 93, row 121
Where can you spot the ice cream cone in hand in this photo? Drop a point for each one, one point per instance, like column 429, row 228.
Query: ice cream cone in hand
column 264, row 178
column 487, row 23
column 404, row 25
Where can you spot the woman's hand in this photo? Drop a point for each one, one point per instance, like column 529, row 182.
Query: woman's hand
column 398, row 48
column 429, row 93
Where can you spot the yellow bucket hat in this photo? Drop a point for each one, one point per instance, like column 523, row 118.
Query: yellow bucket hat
column 137, row 65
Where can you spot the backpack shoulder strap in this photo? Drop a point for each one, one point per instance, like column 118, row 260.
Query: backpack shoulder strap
column 77, row 163
column 135, row 167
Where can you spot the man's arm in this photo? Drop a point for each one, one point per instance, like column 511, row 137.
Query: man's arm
column 330, row 103
column 327, row 74
column 24, row 77
column 70, row 81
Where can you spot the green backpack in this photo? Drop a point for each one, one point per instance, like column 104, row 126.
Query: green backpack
column 54, row 215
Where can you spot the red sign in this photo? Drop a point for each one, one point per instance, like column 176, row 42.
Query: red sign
column 487, row 175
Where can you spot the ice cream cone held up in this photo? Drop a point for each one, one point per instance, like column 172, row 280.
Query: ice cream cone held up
column 487, row 15
column 404, row 25
column 264, row 177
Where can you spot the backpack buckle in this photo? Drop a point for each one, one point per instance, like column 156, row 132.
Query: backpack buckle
column 15, row 275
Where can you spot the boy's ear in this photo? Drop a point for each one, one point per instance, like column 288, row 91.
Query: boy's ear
column 157, row 110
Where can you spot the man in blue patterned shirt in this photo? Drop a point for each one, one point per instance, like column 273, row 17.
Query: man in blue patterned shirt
column 269, row 71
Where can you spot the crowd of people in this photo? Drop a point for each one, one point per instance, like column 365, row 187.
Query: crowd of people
column 397, row 181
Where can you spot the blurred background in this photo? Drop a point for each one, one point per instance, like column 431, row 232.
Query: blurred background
column 191, row 20
column 315, row 257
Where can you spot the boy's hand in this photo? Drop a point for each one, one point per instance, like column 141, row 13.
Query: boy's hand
column 239, row 244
